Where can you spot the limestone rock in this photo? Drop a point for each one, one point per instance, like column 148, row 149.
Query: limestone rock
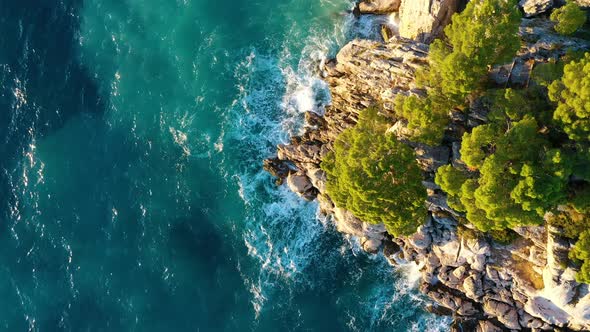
column 300, row 184
column 347, row 223
column 473, row 287
column 421, row 239
column 304, row 153
column 424, row 20
column 370, row 245
column 505, row 313
column 448, row 254
column 431, row 265
column 318, row 178
column 431, row 158
column 535, row 7
column 547, row 311
column 379, row 6
column 372, row 231
column 487, row 326
column 368, row 72
column 530, row 322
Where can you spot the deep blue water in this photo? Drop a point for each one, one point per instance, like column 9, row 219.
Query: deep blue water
column 131, row 191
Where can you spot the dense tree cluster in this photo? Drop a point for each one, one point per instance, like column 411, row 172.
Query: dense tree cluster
column 529, row 163
column 518, row 168
column 485, row 33
column 569, row 18
column 514, row 176
column 375, row 176
column 572, row 94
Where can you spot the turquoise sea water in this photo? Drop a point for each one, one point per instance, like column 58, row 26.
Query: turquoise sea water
column 132, row 198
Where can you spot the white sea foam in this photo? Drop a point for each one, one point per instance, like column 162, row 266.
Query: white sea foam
column 282, row 233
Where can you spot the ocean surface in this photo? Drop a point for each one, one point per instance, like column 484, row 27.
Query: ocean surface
column 132, row 195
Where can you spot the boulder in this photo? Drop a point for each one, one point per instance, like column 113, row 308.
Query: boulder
column 379, row 6
column 371, row 245
column 530, row 322
column 377, row 231
column 431, row 265
column 448, row 254
column 547, row 311
column 300, row 184
column 478, row 262
column 504, row 312
column 318, row 178
column 421, row 239
column 347, row 223
column 460, row 272
column 535, row 7
column 487, row 326
column 431, row 158
column 446, row 276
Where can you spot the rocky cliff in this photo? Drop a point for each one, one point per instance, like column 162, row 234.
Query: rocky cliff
column 487, row 286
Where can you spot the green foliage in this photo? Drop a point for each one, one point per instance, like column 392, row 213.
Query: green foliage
column 514, row 105
column 581, row 159
column 546, row 73
column 426, row 121
column 543, row 185
column 486, row 30
column 572, row 94
column 570, row 219
column 520, row 177
column 478, row 145
column 475, row 215
column 485, row 33
column 504, row 236
column 581, row 201
column 376, row 177
column 568, row 18
column 451, row 180
column 581, row 252
column 509, row 190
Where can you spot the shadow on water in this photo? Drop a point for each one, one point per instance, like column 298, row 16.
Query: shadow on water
column 41, row 83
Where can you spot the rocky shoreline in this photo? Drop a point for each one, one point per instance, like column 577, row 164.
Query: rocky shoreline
column 485, row 285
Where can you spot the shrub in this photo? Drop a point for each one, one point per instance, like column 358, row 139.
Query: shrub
column 451, row 180
column 485, row 33
column 376, row 177
column 570, row 220
column 581, row 252
column 568, row 18
column 426, row 121
column 572, row 94
column 520, row 176
column 514, row 105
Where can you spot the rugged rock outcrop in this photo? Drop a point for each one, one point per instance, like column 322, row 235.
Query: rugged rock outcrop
column 424, row 20
column 379, row 6
column 535, row 7
column 527, row 285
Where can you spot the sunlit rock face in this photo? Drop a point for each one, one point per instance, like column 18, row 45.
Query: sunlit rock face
column 424, row 20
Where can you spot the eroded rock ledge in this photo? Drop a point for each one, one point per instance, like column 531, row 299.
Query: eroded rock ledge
column 486, row 286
